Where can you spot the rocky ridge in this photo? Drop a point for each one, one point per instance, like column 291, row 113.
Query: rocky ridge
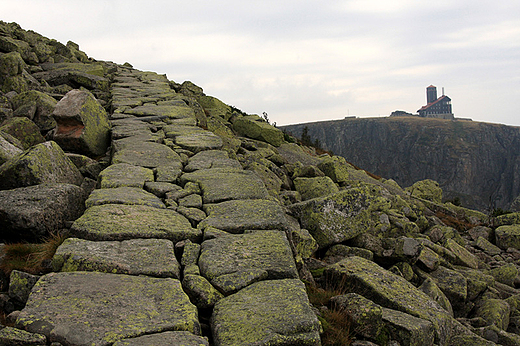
column 202, row 225
column 472, row 161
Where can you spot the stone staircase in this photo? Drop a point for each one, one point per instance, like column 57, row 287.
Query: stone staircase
column 178, row 245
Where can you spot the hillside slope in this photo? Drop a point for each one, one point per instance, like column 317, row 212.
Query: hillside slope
column 477, row 162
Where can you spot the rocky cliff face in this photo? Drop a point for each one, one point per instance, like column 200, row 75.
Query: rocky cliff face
column 477, row 162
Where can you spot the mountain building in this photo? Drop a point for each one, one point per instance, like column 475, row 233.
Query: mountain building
column 436, row 107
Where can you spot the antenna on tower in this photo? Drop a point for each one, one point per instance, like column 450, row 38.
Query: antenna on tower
column 442, row 91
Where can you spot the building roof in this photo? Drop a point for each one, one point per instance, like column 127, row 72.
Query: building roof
column 443, row 97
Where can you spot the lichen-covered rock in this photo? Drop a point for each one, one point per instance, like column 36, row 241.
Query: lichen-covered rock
column 123, row 195
column 391, row 291
column 7, row 149
column 339, row 251
column 274, row 312
column 366, row 316
column 20, row 285
column 271, row 181
column 453, row 284
column 10, row 336
column 254, row 127
column 222, row 184
column 304, row 243
column 409, row 330
column 43, row 163
column 315, row 187
column 487, row 247
column 124, row 174
column 24, row 130
column 82, row 124
column 494, row 311
column 181, row 338
column 239, row 215
column 31, row 213
column 335, row 168
column 200, row 291
column 211, row 159
column 434, row 292
column 148, row 155
column 122, row 222
column 505, row 274
column 88, row 308
column 463, row 256
column 341, row 216
column 426, row 189
column 152, row 257
column 268, row 251
column 477, row 281
column 508, row 236
column 42, row 106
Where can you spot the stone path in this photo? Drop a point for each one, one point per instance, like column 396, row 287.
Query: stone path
column 177, row 242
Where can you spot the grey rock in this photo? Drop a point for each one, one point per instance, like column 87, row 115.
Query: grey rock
column 409, row 330
column 123, row 174
column 200, row 291
column 31, row 213
column 211, row 159
column 147, row 154
column 123, row 195
column 152, row 257
column 10, row 336
column 104, row 308
column 166, row 338
column 20, row 285
column 275, row 312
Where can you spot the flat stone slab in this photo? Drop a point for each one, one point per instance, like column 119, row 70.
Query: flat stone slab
column 124, row 174
column 13, row 336
column 152, row 257
column 31, row 213
column 147, row 154
column 167, row 111
column 88, row 308
column 250, row 214
column 222, row 184
column 129, row 128
column 268, row 251
column 123, row 222
column 197, row 142
column 180, row 338
column 211, row 159
column 123, row 195
column 404, row 327
column 391, row 291
column 274, row 312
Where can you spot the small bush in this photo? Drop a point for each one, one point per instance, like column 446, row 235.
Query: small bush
column 499, row 211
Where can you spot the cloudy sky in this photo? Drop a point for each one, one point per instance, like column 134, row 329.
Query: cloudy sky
column 306, row 60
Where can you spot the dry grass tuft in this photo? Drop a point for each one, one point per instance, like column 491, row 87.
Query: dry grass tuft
column 29, row 257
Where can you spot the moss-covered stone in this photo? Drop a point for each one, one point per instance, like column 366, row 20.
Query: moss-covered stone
column 124, row 174
column 477, row 281
column 222, row 184
column 271, row 181
column 366, row 316
column 239, row 215
column 426, row 189
column 341, row 216
column 274, row 312
column 508, row 219
column 339, row 251
column 44, row 107
column 123, row 195
column 167, row 338
column 82, row 124
column 304, row 243
column 148, row 155
column 7, row 149
column 364, row 277
column 409, row 330
column 505, row 274
column 43, row 163
column 434, row 292
column 315, row 187
column 463, row 256
column 20, row 285
column 86, row 308
column 428, row 259
column 453, row 284
column 508, row 236
column 336, row 168
column 10, row 336
column 494, row 311
column 267, row 251
column 211, row 159
column 122, row 222
column 152, row 257
column 256, row 128
column 24, row 130
column 200, row 291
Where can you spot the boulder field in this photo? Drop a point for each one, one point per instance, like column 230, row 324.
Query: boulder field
column 188, row 222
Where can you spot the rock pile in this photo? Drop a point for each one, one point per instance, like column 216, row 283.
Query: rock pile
column 189, row 222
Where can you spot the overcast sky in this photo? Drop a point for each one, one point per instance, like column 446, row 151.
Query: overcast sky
column 306, row 60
